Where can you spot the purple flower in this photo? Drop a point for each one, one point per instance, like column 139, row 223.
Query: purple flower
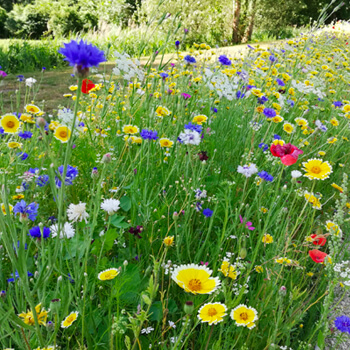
column 82, row 54
column 194, row 127
column 269, row 112
column 22, row 155
column 239, row 94
column 164, row 75
column 71, row 174
column 25, row 135
column 337, row 104
column 149, row 134
column 276, row 137
column 177, row 44
column 264, row 146
column 265, row 176
column 248, row 224
column 280, row 82
column 185, row 96
column 224, row 60
column 3, row 74
column 42, row 180
column 273, row 58
column 207, row 213
column 291, row 103
column 343, row 323
column 136, row 231
column 30, row 210
column 214, row 109
column 190, row 59
column 35, row 232
column 2, row 131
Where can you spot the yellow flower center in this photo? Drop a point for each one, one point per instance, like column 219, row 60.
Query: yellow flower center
column 195, row 285
column 212, row 311
column 10, row 124
column 316, row 169
column 63, row 134
column 244, row 316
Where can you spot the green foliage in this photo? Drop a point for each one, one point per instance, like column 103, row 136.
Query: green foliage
column 3, row 17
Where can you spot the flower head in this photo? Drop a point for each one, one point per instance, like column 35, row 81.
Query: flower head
column 343, row 323
column 195, row 279
column 168, row 241
column 288, row 153
column 316, row 204
column 244, row 316
column 317, row 256
column 77, row 212
column 317, row 169
column 110, row 205
column 228, row 270
column 28, row 317
column 36, row 232
column 62, row 133
column 224, row 60
column 82, row 54
column 10, row 123
column 247, row 170
column 108, row 274
column 30, row 210
column 65, row 231
column 67, row 322
column 213, row 313
column 164, row 142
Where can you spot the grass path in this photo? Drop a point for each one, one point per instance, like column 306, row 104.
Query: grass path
column 55, row 83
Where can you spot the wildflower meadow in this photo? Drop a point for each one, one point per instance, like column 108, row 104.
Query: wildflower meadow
column 196, row 203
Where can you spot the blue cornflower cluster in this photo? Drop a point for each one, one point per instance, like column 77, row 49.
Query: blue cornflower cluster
column 224, row 60
column 262, row 100
column 263, row 146
column 149, row 134
column 36, row 232
column 190, row 59
column 71, row 174
column 194, row 127
column 15, row 276
column 207, row 213
column 82, row 54
column 42, row 180
column 280, row 82
column 30, row 210
column 269, row 112
column 265, row 176
column 239, row 94
column 22, row 155
column 25, row 135
column 337, row 103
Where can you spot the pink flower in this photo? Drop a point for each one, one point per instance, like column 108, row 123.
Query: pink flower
column 248, row 224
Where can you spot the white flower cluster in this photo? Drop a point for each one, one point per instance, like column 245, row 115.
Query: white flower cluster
column 343, row 270
column 65, row 116
column 247, row 170
column 308, row 89
column 190, row 137
column 129, row 69
column 221, row 84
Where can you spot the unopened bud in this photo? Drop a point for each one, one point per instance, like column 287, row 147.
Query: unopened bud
column 188, row 307
column 81, row 72
column 106, row 158
column 41, row 122
column 282, row 291
column 243, row 252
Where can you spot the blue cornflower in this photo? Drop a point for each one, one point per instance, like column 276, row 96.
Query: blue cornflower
column 71, row 280
column 343, row 323
column 42, row 180
column 33, row 170
column 280, row 82
column 214, row 109
column 262, row 100
column 264, row 146
column 177, row 43
column 2, row 131
column 194, row 127
column 15, row 276
column 164, row 75
column 25, row 134
column 190, row 59
column 269, row 112
column 149, row 134
column 265, row 176
column 71, row 174
column 82, row 54
column 224, row 60
column 22, row 155
column 239, row 94
column 291, row 103
column 273, row 58
column 277, row 137
column 35, row 232
column 52, row 219
column 207, row 213
column 81, row 124
column 20, row 77
column 337, row 104
column 30, row 210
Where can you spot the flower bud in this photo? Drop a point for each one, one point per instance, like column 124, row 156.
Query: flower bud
column 283, row 291
column 3, row 294
column 41, row 122
column 188, row 307
column 106, row 158
column 81, row 72
column 243, row 252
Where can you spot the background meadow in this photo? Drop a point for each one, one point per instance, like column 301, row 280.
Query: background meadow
column 146, row 173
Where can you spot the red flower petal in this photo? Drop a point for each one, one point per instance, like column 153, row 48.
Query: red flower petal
column 321, row 241
column 87, row 86
column 317, row 256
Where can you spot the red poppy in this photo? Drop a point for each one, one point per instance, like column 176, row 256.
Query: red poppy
column 288, row 153
column 87, row 86
column 317, row 256
column 318, row 240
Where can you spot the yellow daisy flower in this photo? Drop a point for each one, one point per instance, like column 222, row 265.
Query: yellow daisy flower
column 333, row 228
column 317, row 169
column 3, row 208
column 32, row 109
column 13, row 144
column 213, row 313
column 28, row 317
column 288, row 128
column 18, row 196
column 67, row 322
column 267, row 239
column 334, row 122
column 27, row 118
column 259, row 269
column 130, row 129
column 62, row 133
column 195, row 279
column 200, row 119
column 10, row 123
column 228, row 270
column 277, row 119
column 165, row 143
column 162, row 111
column 301, row 121
column 244, row 316
column 108, row 274
column 316, row 204
column 168, row 241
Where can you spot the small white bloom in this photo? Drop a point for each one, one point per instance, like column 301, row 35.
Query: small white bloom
column 296, row 173
column 66, row 231
column 110, row 205
column 247, row 170
column 190, row 137
column 77, row 212
column 30, row 82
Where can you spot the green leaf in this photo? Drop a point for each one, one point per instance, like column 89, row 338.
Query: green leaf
column 125, row 203
column 117, row 221
column 172, row 307
column 320, row 340
column 156, row 311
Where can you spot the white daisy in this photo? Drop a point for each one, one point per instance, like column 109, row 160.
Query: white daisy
column 77, row 212
column 110, row 205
